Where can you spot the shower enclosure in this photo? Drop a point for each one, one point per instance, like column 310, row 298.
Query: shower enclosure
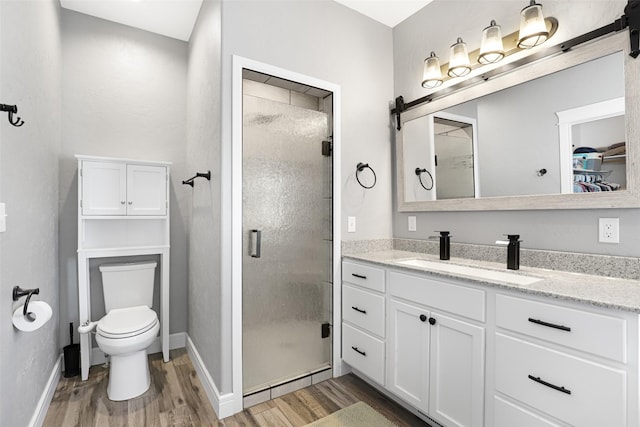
column 287, row 235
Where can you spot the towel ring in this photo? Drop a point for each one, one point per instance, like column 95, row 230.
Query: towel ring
column 419, row 172
column 359, row 168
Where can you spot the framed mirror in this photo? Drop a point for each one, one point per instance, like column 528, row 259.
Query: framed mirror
column 558, row 133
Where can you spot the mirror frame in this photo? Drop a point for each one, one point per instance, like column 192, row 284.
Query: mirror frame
column 629, row 198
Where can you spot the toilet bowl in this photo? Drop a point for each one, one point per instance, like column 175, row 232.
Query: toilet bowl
column 125, row 334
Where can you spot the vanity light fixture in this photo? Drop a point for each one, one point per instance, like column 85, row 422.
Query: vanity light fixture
column 492, row 48
column 432, row 75
column 459, row 64
column 533, row 31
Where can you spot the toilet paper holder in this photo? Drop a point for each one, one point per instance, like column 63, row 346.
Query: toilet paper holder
column 18, row 293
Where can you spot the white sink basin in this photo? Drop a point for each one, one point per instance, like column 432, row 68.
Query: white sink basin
column 481, row 273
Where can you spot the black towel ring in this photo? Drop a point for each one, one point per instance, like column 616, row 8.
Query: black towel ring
column 419, row 172
column 359, row 168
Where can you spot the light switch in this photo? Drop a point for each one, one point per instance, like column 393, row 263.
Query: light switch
column 3, row 218
column 351, row 224
column 412, row 223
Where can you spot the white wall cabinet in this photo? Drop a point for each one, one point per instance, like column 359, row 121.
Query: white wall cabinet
column 123, row 210
column 117, row 188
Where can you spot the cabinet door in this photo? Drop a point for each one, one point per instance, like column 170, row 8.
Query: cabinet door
column 146, row 190
column 103, row 188
column 408, row 353
column 456, row 392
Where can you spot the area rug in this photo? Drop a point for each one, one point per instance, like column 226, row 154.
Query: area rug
column 357, row 415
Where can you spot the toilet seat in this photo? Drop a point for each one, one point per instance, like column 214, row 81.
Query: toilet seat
column 122, row 323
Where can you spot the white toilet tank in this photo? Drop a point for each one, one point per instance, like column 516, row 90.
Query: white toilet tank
column 127, row 285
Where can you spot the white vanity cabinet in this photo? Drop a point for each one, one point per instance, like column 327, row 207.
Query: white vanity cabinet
column 436, row 347
column 120, row 188
column 363, row 319
column 557, row 364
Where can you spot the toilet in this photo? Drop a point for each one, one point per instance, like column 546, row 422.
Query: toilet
column 129, row 327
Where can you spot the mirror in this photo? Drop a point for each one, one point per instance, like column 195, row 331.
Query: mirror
column 552, row 134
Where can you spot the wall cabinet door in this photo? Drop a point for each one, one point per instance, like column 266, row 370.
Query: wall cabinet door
column 146, row 190
column 408, row 353
column 104, row 188
column 456, row 392
column 112, row 188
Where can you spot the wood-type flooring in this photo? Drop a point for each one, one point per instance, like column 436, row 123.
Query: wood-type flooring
column 176, row 399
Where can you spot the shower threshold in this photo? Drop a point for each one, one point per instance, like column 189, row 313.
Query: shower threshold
column 262, row 394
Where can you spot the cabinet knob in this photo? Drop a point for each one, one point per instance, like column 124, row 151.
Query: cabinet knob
column 130, row 203
column 423, row 318
column 432, row 320
column 122, row 202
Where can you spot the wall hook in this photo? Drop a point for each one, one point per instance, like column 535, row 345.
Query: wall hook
column 189, row 181
column 359, row 168
column 18, row 293
column 12, row 109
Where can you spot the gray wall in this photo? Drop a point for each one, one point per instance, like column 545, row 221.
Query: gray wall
column 328, row 41
column 435, row 28
column 30, row 67
column 123, row 95
column 203, row 153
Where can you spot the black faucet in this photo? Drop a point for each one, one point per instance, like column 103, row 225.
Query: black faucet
column 513, row 252
column 445, row 245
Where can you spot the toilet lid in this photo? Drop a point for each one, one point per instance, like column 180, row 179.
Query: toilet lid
column 125, row 322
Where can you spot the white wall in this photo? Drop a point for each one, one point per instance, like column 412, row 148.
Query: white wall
column 435, row 28
column 30, row 66
column 123, row 95
column 203, row 153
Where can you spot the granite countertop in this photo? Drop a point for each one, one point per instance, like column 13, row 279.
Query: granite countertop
column 600, row 291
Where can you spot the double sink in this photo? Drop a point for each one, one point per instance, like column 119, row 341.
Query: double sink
column 473, row 272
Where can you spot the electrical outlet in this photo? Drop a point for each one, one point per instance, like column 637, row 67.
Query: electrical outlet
column 609, row 230
column 411, row 223
column 351, row 224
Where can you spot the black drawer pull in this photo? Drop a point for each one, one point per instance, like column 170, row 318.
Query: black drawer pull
column 359, row 310
column 359, row 276
column 359, row 351
column 553, row 386
column 550, row 325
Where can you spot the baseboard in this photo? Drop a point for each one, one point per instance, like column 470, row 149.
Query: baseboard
column 223, row 405
column 47, row 395
column 175, row 341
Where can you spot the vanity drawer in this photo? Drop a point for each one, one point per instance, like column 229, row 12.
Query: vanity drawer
column 590, row 332
column 460, row 300
column 363, row 352
column 509, row 415
column 363, row 275
column 585, row 393
column 363, row 309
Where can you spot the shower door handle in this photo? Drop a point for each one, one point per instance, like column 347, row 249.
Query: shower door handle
column 254, row 243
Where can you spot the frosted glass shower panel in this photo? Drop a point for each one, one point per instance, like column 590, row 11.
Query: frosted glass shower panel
column 286, row 289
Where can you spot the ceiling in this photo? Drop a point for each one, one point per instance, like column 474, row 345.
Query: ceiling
column 389, row 12
column 176, row 18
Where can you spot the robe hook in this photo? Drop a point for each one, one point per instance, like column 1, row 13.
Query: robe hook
column 12, row 109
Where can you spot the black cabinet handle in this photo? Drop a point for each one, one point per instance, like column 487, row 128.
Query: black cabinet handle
column 432, row 320
column 359, row 276
column 423, row 318
column 359, row 310
column 553, row 386
column 549, row 325
column 359, row 351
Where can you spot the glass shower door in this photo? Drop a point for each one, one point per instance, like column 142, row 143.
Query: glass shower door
column 287, row 219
